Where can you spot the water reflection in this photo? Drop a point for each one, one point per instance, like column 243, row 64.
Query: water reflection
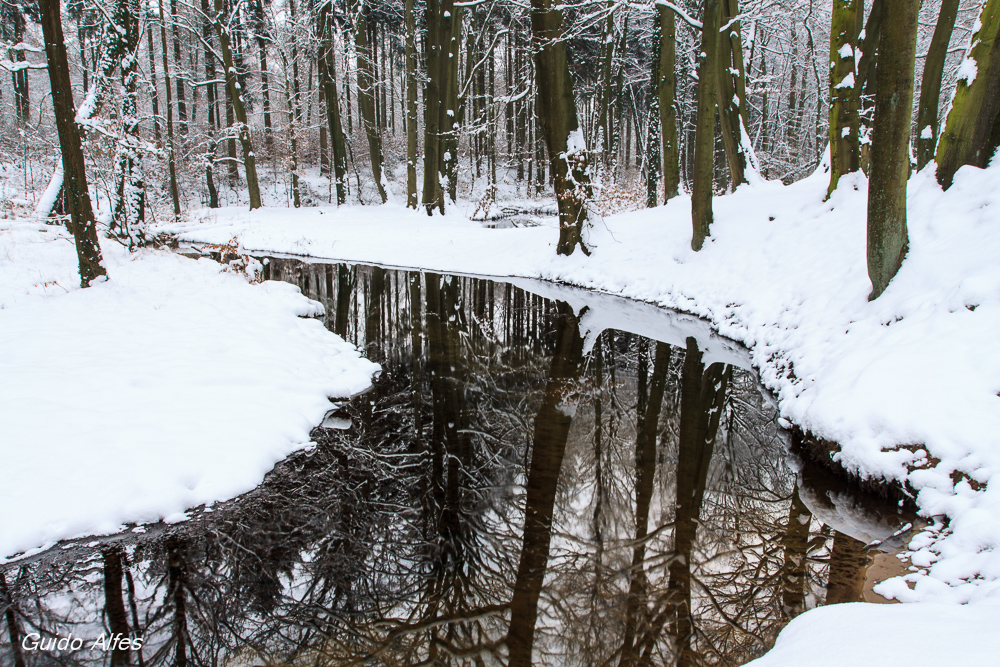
column 501, row 496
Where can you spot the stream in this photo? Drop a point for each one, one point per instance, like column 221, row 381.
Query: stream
column 539, row 476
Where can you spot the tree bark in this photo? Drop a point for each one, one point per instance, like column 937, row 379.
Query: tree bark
column 328, row 80
column 845, row 146
column 568, row 157
column 366, row 93
column 411, row 107
column 213, row 106
column 732, row 91
column 930, row 83
column 171, row 161
column 668, row 113
column 968, row 136
column 890, row 155
column 440, row 28
column 704, row 139
column 235, row 91
column 130, row 203
column 82, row 223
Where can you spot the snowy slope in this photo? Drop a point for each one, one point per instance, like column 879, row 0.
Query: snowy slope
column 908, row 385
column 170, row 385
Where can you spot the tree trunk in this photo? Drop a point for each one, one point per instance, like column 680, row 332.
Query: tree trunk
column 235, row 91
column 82, row 223
column 327, row 65
column 651, row 163
column 366, row 93
column 171, row 161
column 265, row 92
column 213, row 106
column 568, row 156
column 732, row 103
column 890, row 154
column 441, row 21
column 152, row 84
column 704, row 139
column 411, row 107
column 130, row 204
column 14, row 16
column 866, row 83
column 844, row 99
column 668, row 117
column 182, row 127
column 930, row 83
column 968, row 136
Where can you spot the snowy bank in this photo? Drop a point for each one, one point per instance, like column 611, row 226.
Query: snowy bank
column 170, row 385
column 888, row 635
column 907, row 385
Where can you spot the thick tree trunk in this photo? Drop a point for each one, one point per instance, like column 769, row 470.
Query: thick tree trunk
column 440, row 28
column 366, row 94
column 568, row 156
column 704, row 139
column 732, row 91
column 845, row 126
column 82, row 223
column 866, row 83
column 327, row 65
column 130, row 204
column 651, row 163
column 154, row 95
column 890, row 154
column 235, row 91
column 968, row 136
column 411, row 107
column 292, row 104
column 930, row 83
column 668, row 113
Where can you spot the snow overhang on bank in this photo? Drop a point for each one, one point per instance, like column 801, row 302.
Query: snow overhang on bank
column 171, row 385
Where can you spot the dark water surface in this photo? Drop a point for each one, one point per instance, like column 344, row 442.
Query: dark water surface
column 539, row 476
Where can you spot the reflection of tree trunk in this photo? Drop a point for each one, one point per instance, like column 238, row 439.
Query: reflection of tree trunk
column 795, row 543
column 343, row 301
column 548, row 447
column 703, row 393
column 373, row 311
column 114, row 605
column 13, row 627
column 645, row 472
column 177, row 582
column 848, row 562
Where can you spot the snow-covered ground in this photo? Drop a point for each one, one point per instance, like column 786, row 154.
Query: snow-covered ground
column 172, row 384
column 908, row 385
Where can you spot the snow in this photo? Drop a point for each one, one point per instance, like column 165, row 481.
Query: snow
column 927, row 132
column 848, row 81
column 967, row 71
column 907, row 385
column 170, row 385
column 926, row 634
column 846, row 51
